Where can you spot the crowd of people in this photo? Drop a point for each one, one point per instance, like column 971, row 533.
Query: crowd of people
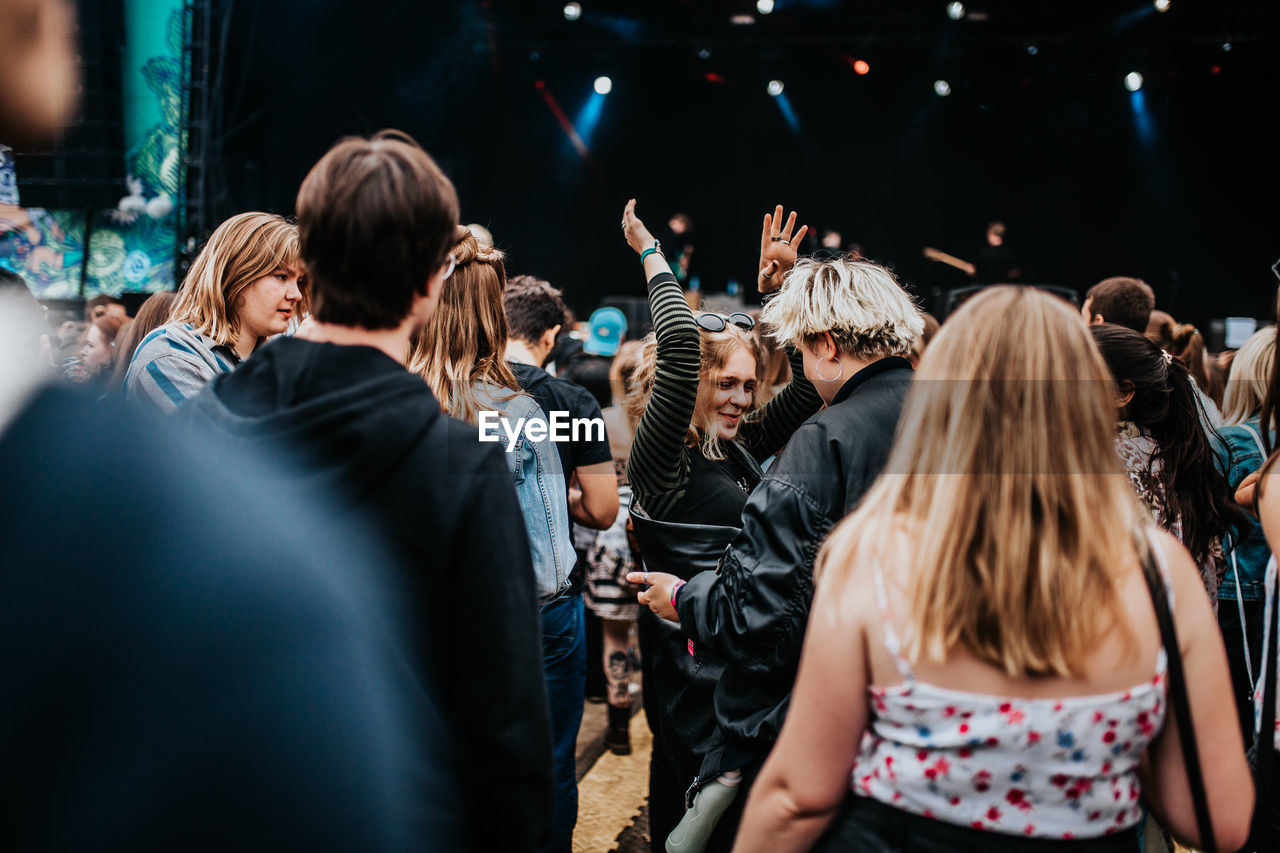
column 889, row 585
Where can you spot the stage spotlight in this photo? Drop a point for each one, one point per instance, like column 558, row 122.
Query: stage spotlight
column 704, row 53
column 1162, row 5
column 861, row 66
column 1032, row 50
column 603, row 85
column 1226, row 45
column 955, row 10
column 942, row 87
column 775, row 87
column 764, row 7
column 1133, row 81
column 572, row 11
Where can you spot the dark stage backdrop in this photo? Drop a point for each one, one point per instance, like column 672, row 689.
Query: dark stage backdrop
column 1176, row 185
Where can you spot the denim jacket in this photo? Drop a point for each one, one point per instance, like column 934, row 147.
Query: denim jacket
column 1239, row 455
column 540, row 486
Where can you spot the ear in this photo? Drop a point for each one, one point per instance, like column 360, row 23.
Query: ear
column 830, row 350
column 424, row 303
column 548, row 339
column 1097, row 320
column 1124, row 394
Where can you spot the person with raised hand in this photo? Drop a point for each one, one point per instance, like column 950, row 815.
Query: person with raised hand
column 694, row 460
column 853, row 326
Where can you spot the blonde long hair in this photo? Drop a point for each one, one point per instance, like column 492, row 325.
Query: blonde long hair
column 461, row 350
column 1250, row 374
column 1005, row 474
column 715, row 348
column 240, row 251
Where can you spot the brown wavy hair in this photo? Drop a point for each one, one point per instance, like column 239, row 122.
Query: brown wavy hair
column 462, row 347
column 153, row 314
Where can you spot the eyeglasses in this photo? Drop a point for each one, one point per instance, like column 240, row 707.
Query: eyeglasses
column 453, row 263
column 717, row 322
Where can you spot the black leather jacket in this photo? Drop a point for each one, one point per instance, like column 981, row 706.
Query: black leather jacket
column 753, row 610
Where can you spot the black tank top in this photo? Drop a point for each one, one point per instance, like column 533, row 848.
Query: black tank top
column 718, row 488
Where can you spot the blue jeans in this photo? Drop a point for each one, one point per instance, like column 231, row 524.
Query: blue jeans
column 564, row 662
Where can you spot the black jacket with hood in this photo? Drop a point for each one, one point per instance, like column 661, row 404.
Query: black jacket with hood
column 371, row 436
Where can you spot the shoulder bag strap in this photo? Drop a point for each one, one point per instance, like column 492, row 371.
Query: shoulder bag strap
column 1257, row 437
column 1266, row 733
column 1177, row 684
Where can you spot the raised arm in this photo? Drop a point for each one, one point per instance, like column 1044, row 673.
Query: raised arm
column 658, row 467
column 765, row 430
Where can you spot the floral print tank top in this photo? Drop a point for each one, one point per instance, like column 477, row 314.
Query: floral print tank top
column 1044, row 768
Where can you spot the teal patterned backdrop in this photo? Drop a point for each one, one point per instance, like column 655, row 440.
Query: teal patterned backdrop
column 132, row 246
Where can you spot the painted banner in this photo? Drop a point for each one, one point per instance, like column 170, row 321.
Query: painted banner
column 131, row 246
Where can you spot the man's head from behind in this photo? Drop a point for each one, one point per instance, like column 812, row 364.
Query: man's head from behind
column 1121, row 301
column 536, row 313
column 376, row 219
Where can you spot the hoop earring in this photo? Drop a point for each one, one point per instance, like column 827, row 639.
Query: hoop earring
column 834, row 378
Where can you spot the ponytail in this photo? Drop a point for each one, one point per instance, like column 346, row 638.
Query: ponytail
column 1190, row 470
column 1165, row 402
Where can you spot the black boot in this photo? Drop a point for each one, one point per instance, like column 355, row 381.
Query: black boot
column 618, row 736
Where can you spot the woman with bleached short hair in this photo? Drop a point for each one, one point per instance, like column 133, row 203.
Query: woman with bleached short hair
column 245, row 286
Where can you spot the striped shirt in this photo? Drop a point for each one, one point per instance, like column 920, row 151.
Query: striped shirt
column 658, row 467
column 172, row 364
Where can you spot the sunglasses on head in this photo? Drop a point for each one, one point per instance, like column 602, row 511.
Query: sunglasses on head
column 717, row 322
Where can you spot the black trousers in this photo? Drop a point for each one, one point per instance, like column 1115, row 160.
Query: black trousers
column 869, row 826
column 1232, row 637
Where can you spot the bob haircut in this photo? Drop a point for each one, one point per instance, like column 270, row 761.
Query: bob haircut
column 1003, row 463
column 463, row 345
column 1249, row 377
column 240, row 251
column 860, row 303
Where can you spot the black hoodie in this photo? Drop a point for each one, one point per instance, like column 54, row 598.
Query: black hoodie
column 371, row 435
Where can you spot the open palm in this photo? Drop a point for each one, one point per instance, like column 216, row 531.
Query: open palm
column 778, row 248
